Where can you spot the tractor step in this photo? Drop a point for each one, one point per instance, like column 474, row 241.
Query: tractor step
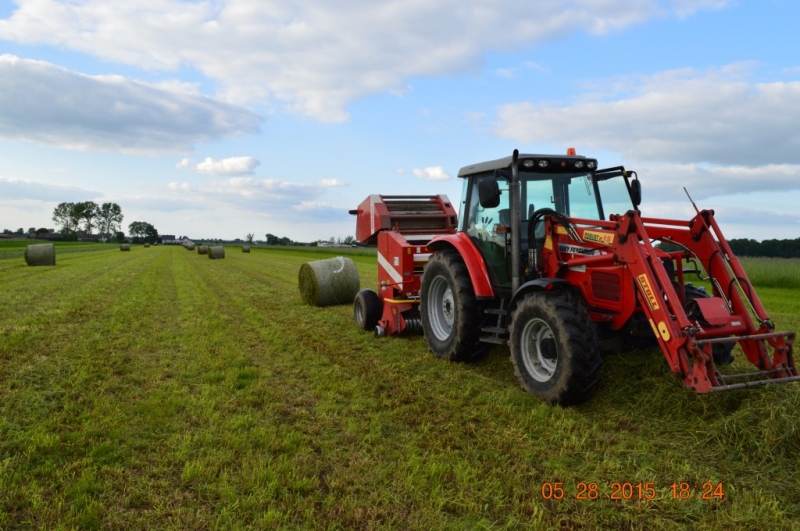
column 497, row 334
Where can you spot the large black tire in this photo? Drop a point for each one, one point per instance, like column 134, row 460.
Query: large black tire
column 451, row 315
column 721, row 352
column 367, row 309
column 554, row 348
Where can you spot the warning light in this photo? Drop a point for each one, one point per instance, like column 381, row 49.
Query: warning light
column 571, row 151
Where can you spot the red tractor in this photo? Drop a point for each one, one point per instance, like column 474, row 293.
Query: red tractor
column 540, row 261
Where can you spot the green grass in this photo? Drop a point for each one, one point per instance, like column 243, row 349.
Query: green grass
column 773, row 272
column 13, row 249
column 160, row 389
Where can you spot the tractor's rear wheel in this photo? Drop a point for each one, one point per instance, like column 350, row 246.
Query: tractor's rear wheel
column 554, row 348
column 367, row 309
column 451, row 315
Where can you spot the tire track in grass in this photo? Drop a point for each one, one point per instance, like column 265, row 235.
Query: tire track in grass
column 373, row 390
column 304, row 380
column 585, row 443
column 59, row 416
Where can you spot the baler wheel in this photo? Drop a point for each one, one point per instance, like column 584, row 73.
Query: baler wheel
column 367, row 309
column 451, row 315
column 554, row 348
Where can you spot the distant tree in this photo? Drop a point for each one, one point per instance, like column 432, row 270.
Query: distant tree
column 349, row 240
column 250, row 237
column 20, row 232
column 272, row 239
column 86, row 213
column 150, row 233
column 143, row 231
column 71, row 215
column 119, row 237
column 42, row 231
column 136, row 229
column 62, row 216
column 109, row 218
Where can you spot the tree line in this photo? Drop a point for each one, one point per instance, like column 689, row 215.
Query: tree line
column 106, row 218
column 769, row 248
column 750, row 247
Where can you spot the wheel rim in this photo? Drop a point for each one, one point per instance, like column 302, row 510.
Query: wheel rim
column 359, row 312
column 538, row 349
column 442, row 308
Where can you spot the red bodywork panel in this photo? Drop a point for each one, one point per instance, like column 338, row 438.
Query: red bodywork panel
column 402, row 226
column 407, row 214
column 478, row 274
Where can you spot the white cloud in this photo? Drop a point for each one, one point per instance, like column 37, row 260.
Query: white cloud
column 332, row 182
column 228, row 166
column 686, row 116
column 665, row 182
column 316, row 56
column 183, row 187
column 38, row 191
column 311, row 205
column 272, row 193
column 432, row 173
column 44, row 103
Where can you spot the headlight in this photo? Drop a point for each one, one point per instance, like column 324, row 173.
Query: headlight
column 543, row 163
column 579, row 164
column 591, row 164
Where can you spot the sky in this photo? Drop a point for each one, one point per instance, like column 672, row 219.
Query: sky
column 222, row 118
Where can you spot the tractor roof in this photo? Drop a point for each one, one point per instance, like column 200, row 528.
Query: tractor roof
column 505, row 163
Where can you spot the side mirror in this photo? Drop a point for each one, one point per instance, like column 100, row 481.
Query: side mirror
column 636, row 192
column 489, row 193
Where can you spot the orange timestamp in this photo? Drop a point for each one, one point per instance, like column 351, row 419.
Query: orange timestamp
column 626, row 490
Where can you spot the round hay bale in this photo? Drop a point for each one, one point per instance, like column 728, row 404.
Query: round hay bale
column 40, row 254
column 190, row 247
column 245, row 248
column 124, row 247
column 202, row 249
column 329, row 282
column 146, row 245
column 216, row 253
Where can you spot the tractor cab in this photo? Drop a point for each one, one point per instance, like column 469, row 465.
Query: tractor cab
column 568, row 186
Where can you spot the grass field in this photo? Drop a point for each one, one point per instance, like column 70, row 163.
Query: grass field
column 159, row 389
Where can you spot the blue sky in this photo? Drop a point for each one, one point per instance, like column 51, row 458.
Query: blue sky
column 223, row 118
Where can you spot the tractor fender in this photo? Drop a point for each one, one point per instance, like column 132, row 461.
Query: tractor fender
column 478, row 274
column 540, row 284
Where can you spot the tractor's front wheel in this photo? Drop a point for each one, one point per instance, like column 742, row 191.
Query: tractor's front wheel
column 451, row 315
column 554, row 348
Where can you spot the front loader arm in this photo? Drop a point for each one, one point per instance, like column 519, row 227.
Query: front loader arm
column 687, row 344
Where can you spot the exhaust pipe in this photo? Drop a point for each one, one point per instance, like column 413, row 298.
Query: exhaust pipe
column 516, row 243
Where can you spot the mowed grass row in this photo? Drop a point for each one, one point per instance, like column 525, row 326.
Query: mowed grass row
column 161, row 389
